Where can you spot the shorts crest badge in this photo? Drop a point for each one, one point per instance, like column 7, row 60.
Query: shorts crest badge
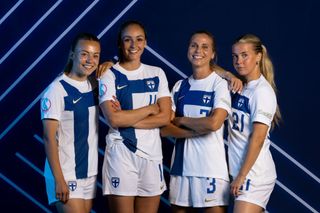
column 72, row 185
column 115, row 181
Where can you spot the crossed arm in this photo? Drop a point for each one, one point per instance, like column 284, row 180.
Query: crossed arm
column 147, row 117
column 157, row 120
column 186, row 127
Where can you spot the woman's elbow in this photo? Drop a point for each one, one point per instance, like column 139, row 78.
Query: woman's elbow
column 113, row 122
column 163, row 132
column 165, row 120
column 214, row 126
column 259, row 141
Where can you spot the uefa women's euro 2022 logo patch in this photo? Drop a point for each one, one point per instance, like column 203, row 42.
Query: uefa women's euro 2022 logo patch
column 45, row 104
column 102, row 89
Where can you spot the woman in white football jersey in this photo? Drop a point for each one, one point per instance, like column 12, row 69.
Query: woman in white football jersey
column 132, row 170
column 201, row 103
column 69, row 113
column 254, row 112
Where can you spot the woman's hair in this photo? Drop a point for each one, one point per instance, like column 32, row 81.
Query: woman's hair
column 210, row 35
column 81, row 36
column 122, row 28
column 266, row 66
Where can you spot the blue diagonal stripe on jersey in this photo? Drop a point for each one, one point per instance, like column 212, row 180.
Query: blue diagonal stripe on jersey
column 240, row 102
column 177, row 166
column 198, row 98
column 124, row 95
column 81, row 124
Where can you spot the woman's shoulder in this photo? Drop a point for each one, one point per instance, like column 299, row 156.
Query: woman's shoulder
column 264, row 87
column 263, row 91
column 218, row 79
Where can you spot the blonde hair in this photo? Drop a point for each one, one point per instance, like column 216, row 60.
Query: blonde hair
column 265, row 65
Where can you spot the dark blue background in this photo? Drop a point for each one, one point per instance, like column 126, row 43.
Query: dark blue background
column 288, row 29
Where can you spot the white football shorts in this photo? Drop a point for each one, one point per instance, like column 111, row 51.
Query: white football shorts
column 190, row 191
column 256, row 193
column 80, row 188
column 124, row 173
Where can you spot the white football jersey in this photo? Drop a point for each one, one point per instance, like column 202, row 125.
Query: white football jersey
column 74, row 105
column 135, row 89
column 202, row 156
column 257, row 103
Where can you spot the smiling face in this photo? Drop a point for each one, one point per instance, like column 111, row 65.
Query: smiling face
column 246, row 60
column 85, row 59
column 133, row 42
column 201, row 50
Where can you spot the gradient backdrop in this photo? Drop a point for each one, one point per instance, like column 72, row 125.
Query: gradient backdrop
column 34, row 44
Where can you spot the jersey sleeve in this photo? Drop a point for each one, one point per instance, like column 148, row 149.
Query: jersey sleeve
column 222, row 98
column 107, row 86
column 52, row 103
column 174, row 93
column 263, row 105
column 163, row 85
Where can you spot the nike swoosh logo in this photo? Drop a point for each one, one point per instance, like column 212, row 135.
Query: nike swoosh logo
column 209, row 200
column 161, row 187
column 181, row 97
column 76, row 101
column 121, row 87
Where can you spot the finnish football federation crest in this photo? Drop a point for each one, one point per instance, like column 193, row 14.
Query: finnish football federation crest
column 240, row 102
column 206, row 99
column 151, row 84
column 45, row 104
column 102, row 89
column 115, row 181
column 72, row 185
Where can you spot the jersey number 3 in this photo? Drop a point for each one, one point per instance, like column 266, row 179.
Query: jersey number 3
column 212, row 185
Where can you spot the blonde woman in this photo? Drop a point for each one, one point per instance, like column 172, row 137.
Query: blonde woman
column 254, row 112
